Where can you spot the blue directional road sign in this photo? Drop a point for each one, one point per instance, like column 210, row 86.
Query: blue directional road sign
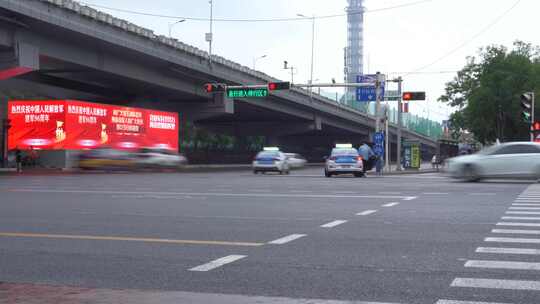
column 367, row 94
column 378, row 140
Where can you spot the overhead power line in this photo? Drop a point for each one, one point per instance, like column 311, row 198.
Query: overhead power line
column 466, row 42
column 127, row 11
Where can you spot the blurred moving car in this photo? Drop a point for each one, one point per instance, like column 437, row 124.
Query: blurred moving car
column 514, row 160
column 106, row 159
column 159, row 158
column 344, row 159
column 295, row 160
column 271, row 160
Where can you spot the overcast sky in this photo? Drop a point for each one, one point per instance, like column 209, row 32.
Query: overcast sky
column 396, row 40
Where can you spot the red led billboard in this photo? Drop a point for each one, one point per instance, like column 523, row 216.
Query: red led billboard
column 76, row 125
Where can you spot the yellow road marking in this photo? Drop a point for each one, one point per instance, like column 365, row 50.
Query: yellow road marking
column 132, row 239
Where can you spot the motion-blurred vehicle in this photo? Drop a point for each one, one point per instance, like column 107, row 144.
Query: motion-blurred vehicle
column 271, row 160
column 159, row 158
column 296, row 160
column 106, row 159
column 344, row 159
column 508, row 160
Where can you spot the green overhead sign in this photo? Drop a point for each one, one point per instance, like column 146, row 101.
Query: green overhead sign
column 247, row 92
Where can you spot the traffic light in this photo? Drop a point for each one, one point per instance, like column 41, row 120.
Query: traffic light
column 282, row 85
column 215, row 87
column 526, row 107
column 408, row 96
column 536, row 126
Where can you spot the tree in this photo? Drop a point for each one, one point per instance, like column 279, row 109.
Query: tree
column 486, row 92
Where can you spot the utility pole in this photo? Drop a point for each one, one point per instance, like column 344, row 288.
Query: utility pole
column 209, row 36
column 399, row 123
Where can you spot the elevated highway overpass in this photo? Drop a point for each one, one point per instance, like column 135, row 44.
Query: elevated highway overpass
column 62, row 49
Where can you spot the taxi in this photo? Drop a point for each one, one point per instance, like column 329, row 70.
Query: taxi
column 344, row 159
column 271, row 159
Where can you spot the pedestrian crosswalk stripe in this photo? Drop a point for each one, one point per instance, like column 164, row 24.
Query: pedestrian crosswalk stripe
column 524, row 208
column 515, row 231
column 496, row 284
column 502, row 250
column 524, row 204
column 518, row 224
column 464, row 302
column 525, row 218
column 512, row 240
column 523, row 212
column 502, row 265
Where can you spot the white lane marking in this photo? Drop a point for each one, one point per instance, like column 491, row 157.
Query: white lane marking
column 464, row 302
column 436, row 193
column 367, row 212
column 526, row 218
column 502, row 250
column 496, row 284
column 518, row 224
column 502, row 265
column 518, row 204
column 390, row 204
column 512, row 240
column 215, row 194
column 333, row 224
column 286, row 239
column 218, row 263
column 344, row 192
column 410, row 198
column 483, row 194
column 524, row 208
column 389, row 192
column 523, row 212
column 515, row 231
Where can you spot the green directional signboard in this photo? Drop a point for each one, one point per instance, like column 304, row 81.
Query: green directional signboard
column 247, row 92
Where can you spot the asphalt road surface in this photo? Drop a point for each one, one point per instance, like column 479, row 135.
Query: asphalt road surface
column 235, row 237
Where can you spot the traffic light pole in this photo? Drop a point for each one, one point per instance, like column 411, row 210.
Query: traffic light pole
column 532, row 115
column 399, row 123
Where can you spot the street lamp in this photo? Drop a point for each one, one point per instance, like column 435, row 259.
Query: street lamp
column 312, row 43
column 173, row 24
column 256, row 59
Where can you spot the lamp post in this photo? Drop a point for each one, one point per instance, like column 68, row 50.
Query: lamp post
column 173, row 24
column 256, row 59
column 210, row 36
column 312, row 44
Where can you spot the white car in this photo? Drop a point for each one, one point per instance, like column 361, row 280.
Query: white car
column 515, row 160
column 159, row 158
column 271, row 161
column 296, row 160
column 344, row 161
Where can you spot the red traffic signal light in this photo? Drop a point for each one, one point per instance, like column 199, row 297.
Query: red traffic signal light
column 282, row 85
column 215, row 87
column 536, row 126
column 408, row 96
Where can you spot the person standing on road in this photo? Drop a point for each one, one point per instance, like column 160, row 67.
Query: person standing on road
column 366, row 153
column 18, row 159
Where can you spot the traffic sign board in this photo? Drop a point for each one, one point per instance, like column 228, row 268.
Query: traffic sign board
column 369, row 93
column 378, row 139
